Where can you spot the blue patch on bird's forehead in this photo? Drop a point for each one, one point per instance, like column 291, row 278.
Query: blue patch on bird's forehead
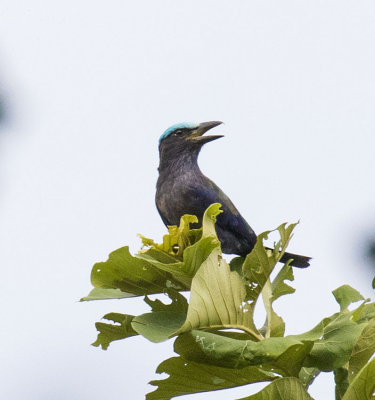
column 181, row 125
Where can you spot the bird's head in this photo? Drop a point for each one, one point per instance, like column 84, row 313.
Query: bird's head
column 185, row 138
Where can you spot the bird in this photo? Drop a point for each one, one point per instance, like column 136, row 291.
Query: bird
column 182, row 189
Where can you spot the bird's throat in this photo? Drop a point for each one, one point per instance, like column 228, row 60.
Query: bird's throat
column 178, row 162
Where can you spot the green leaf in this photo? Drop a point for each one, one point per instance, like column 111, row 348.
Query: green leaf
column 187, row 377
column 274, row 325
column 179, row 303
column 284, row 355
column 333, row 350
column 363, row 385
column 209, row 219
column 219, row 344
column 164, row 319
column 290, row 362
column 260, row 262
column 193, row 255
column 158, row 326
column 279, row 287
column 341, row 381
column 106, row 294
column 177, row 239
column 220, row 296
column 129, row 274
column 155, row 253
column 364, row 313
column 110, row 332
column 217, row 299
column 346, row 295
column 314, row 333
column 282, row 389
column 236, row 264
column 257, row 269
column 307, row 375
column 209, row 348
column 363, row 350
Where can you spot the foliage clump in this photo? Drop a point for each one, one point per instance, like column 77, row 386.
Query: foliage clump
column 218, row 344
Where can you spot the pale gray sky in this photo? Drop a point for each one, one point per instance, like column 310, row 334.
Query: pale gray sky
column 89, row 87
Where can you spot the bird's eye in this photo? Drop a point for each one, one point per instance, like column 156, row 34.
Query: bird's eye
column 177, row 132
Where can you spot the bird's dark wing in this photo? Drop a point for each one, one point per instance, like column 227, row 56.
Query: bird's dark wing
column 234, row 232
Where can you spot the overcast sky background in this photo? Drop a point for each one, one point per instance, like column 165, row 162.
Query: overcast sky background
column 86, row 90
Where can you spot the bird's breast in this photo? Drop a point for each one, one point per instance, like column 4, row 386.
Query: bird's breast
column 178, row 195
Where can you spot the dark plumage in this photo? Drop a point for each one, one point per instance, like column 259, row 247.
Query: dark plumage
column 183, row 189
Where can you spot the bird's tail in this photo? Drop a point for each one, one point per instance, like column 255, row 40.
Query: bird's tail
column 298, row 261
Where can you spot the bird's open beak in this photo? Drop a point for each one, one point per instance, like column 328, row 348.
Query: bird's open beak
column 197, row 134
